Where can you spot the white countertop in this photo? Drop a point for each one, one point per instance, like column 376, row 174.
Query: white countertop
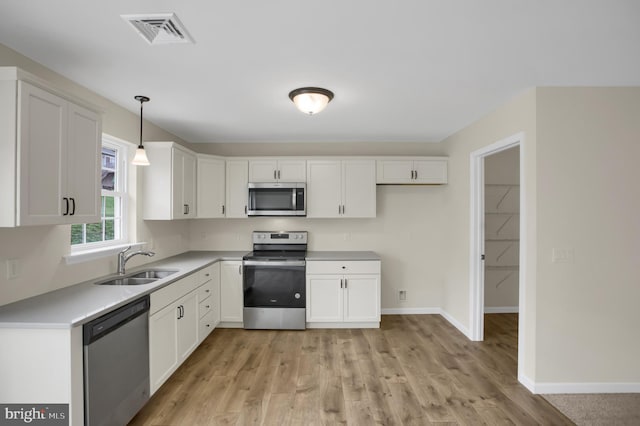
column 75, row 305
column 342, row 255
column 80, row 303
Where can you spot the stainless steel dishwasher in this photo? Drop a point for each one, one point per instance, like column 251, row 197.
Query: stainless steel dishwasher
column 116, row 364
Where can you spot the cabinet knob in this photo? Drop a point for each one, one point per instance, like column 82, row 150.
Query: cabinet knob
column 344, row 267
column 207, row 291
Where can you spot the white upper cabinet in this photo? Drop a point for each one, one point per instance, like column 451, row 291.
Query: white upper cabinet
column 341, row 188
column 426, row 170
column 50, row 155
column 237, row 174
column 277, row 170
column 210, row 187
column 169, row 185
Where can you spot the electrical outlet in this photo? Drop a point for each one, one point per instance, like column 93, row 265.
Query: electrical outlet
column 402, row 295
column 13, row 268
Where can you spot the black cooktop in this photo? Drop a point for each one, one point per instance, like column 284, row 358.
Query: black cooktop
column 275, row 255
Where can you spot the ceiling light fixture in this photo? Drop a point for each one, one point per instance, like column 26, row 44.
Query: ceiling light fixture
column 140, row 159
column 311, row 100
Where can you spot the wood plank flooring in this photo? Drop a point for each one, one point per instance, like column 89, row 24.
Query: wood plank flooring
column 414, row 370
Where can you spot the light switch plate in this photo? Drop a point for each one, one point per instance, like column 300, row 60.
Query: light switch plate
column 562, row 255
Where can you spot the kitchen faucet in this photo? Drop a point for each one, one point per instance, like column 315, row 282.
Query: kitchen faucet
column 123, row 258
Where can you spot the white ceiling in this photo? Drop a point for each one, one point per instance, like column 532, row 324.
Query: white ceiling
column 403, row 70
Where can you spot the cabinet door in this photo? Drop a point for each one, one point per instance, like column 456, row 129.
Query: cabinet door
column 83, row 165
column 324, row 298
column 430, row 171
column 236, row 191
column 231, row 294
column 215, row 294
column 394, row 171
column 42, row 127
column 263, row 170
column 361, row 298
column 187, row 325
column 324, row 198
column 163, row 347
column 189, row 185
column 210, row 185
column 178, row 210
column 292, row 170
column 359, row 188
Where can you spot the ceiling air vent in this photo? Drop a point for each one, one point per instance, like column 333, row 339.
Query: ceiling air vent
column 159, row 28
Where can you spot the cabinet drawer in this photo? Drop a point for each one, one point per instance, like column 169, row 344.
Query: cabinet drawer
column 205, row 306
column 172, row 292
column 346, row 267
column 205, row 290
column 205, row 274
column 205, row 326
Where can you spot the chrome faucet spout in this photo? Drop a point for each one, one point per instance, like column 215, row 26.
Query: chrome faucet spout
column 123, row 257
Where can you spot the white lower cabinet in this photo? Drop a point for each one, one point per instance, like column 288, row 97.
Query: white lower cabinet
column 177, row 323
column 343, row 292
column 231, row 311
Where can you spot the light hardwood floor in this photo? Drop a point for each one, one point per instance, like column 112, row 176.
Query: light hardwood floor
column 415, row 370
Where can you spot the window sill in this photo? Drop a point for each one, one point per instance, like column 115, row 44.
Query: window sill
column 88, row 255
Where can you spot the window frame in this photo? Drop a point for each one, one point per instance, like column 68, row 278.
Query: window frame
column 121, row 191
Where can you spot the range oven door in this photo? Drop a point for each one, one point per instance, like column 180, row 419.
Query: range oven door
column 274, row 283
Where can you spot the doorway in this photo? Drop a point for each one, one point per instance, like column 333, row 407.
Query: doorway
column 477, row 252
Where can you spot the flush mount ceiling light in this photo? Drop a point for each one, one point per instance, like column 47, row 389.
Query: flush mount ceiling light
column 311, row 100
column 140, row 159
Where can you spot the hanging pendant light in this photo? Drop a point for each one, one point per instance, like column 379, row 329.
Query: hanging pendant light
column 140, row 159
column 311, row 100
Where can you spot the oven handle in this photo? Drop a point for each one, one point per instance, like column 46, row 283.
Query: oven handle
column 273, row 263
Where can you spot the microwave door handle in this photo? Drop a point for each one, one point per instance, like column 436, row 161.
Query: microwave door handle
column 293, row 199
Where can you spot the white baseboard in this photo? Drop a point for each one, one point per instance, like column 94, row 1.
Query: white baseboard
column 551, row 388
column 366, row 324
column 457, row 324
column 411, row 311
column 501, row 310
column 527, row 383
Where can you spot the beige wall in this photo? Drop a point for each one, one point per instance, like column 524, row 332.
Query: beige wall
column 40, row 249
column 518, row 115
column 588, row 201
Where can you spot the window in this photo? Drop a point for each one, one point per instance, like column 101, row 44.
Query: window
column 112, row 226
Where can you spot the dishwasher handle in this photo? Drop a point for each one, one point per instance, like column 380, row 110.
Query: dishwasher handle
column 105, row 324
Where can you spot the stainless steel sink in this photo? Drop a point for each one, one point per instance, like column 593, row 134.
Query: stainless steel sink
column 139, row 278
column 154, row 273
column 127, row 281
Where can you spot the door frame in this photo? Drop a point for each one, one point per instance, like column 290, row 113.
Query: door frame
column 476, row 264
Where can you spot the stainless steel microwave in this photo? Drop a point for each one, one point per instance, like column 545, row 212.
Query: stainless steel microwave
column 277, row 199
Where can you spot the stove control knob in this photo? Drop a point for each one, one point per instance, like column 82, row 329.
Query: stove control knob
column 297, row 295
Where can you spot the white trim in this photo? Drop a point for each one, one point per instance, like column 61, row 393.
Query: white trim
column 411, row 311
column 99, row 253
column 343, row 325
column 553, row 388
column 476, row 246
column 526, row 382
column 230, row 324
column 454, row 322
column 500, row 309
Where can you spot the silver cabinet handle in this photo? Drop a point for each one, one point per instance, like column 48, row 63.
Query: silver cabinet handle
column 245, row 209
column 416, row 174
column 341, row 283
column 223, row 209
column 345, row 283
column 278, row 174
column 185, row 209
column 240, row 269
column 343, row 209
column 274, row 174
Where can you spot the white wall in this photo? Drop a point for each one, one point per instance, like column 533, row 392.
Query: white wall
column 588, row 201
column 40, row 249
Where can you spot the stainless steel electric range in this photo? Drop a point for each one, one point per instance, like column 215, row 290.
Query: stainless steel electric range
column 274, row 281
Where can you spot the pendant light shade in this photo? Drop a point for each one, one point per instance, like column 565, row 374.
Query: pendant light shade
column 140, row 159
column 311, row 100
